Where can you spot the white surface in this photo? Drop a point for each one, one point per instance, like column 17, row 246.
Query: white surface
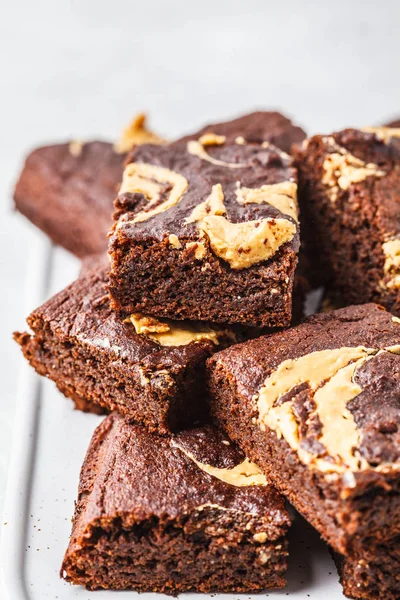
column 80, row 69
column 50, row 443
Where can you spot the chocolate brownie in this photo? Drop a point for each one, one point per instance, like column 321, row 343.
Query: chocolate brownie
column 301, row 287
column 206, row 231
column 317, row 407
column 67, row 190
column 256, row 128
column 350, row 205
column 173, row 515
column 150, row 370
column 373, row 574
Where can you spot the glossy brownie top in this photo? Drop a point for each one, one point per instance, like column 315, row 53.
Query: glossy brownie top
column 137, row 476
column 256, row 127
column 330, row 387
column 238, row 201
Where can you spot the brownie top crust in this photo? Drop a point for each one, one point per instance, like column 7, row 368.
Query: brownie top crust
column 330, row 387
column 363, row 167
column 255, row 128
column 137, row 476
column 238, row 200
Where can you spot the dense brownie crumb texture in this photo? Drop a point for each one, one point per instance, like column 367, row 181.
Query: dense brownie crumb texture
column 67, row 190
column 350, row 204
column 150, row 370
column 317, row 408
column 206, row 230
column 188, row 513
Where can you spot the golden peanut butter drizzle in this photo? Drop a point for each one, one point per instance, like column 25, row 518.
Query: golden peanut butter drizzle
column 198, row 148
column 147, row 179
column 171, row 333
column 76, row 147
column 341, row 169
column 330, row 375
column 244, row 474
column 240, row 244
column 282, row 196
column 391, row 267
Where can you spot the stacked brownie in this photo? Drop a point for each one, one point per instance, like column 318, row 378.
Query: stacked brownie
column 220, row 404
column 207, row 229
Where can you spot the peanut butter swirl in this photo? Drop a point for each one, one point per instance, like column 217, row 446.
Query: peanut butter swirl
column 329, row 377
column 391, row 268
column 244, row 474
column 172, row 333
column 341, row 169
column 149, row 180
column 240, row 244
column 198, row 148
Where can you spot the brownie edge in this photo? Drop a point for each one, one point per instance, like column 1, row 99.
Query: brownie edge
column 160, row 514
column 316, row 407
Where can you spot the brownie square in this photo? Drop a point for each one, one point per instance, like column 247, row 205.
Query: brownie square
column 373, row 574
column 174, row 515
column 151, row 371
column 67, row 190
column 317, row 407
column 206, row 231
column 350, row 205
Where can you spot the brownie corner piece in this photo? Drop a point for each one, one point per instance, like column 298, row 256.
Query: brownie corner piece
column 205, row 517
column 206, row 231
column 150, row 370
column 317, row 408
column 349, row 194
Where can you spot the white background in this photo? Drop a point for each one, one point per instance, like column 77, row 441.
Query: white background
column 81, row 69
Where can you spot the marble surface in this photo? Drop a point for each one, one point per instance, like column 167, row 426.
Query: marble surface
column 81, row 69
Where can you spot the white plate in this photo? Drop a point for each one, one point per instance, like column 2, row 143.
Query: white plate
column 49, row 446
